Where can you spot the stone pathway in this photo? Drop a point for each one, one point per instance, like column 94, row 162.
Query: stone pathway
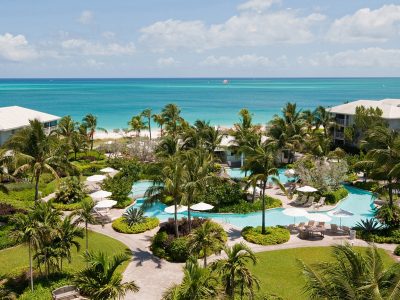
column 154, row 275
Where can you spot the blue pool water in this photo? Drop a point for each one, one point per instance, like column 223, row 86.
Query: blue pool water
column 238, row 173
column 359, row 202
column 140, row 187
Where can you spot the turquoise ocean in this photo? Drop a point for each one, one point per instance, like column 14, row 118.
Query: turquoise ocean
column 115, row 101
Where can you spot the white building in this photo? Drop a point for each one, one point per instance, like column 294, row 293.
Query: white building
column 13, row 118
column 344, row 114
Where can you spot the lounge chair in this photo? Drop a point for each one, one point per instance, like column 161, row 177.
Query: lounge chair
column 337, row 230
column 65, row 293
column 292, row 228
column 311, row 223
column 299, row 200
column 321, row 224
column 309, row 202
column 301, row 225
column 320, row 203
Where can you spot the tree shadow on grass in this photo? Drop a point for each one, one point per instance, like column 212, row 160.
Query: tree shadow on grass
column 234, row 234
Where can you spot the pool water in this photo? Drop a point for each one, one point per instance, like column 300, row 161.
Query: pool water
column 238, row 173
column 359, row 202
column 140, row 187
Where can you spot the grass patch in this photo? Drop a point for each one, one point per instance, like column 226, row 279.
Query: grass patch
column 280, row 274
column 12, row 260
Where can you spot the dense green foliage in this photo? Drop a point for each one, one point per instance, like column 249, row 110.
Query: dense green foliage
column 336, row 196
column 120, row 186
column 274, row 235
column 244, row 206
column 71, row 190
column 384, row 236
column 397, row 250
column 121, row 226
column 222, row 194
column 367, row 185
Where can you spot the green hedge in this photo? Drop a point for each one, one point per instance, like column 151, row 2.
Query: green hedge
column 368, row 185
column 274, row 235
column 397, row 250
column 149, row 223
column 382, row 237
column 336, row 196
column 66, row 207
column 244, row 207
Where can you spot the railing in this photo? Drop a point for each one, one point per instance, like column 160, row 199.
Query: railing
column 50, row 129
column 341, row 122
column 339, row 135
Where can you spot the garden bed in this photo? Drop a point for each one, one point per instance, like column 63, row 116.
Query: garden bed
column 121, row 226
column 274, row 235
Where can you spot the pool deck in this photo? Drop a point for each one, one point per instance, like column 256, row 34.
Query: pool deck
column 154, row 275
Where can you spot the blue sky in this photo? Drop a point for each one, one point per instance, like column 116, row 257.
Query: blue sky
column 193, row 38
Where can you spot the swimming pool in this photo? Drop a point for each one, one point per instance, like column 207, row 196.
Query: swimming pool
column 140, row 187
column 359, row 202
column 238, row 173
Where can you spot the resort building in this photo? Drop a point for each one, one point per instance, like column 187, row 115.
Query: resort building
column 13, row 118
column 344, row 115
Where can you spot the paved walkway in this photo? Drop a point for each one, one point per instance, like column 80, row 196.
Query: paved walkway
column 154, row 275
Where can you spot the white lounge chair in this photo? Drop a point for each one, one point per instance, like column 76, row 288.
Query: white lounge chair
column 320, row 203
column 309, row 202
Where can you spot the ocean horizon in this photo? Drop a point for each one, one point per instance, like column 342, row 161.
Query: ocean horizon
column 115, row 100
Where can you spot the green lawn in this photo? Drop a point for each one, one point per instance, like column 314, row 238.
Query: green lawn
column 280, row 274
column 14, row 259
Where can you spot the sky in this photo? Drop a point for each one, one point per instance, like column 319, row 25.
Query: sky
column 199, row 38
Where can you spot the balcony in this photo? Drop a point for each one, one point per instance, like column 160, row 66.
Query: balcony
column 339, row 136
column 341, row 122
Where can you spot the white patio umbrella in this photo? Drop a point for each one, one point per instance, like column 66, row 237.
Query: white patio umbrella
column 290, row 173
column 318, row 217
column 105, row 204
column 100, row 195
column 96, row 178
column 108, row 170
column 340, row 213
column 201, row 206
column 295, row 212
column 306, row 189
column 171, row 209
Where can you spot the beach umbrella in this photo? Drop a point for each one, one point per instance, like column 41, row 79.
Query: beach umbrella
column 295, row 212
column 109, row 142
column 105, row 204
column 318, row 217
column 201, row 206
column 306, row 189
column 108, row 170
column 171, row 209
column 99, row 195
column 96, row 178
column 340, row 213
column 290, row 173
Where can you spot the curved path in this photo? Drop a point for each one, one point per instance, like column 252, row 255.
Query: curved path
column 154, row 275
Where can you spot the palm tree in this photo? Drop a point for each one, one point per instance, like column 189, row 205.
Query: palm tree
column 169, row 184
column 37, row 152
column 26, row 231
column 323, row 118
column 261, row 163
column 67, row 233
column 159, row 119
column 352, row 275
column 168, row 146
column 198, row 284
column 78, row 142
column 85, row 215
column 196, row 176
column 205, row 239
column 171, row 115
column 100, row 280
column 66, row 128
column 90, row 123
column 234, row 270
column 147, row 114
column 136, row 124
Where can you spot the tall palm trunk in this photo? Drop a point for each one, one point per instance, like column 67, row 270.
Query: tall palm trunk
column 149, row 120
column 205, row 256
column 263, row 207
column 189, row 202
column 176, row 219
column 87, row 239
column 30, row 264
column 232, row 287
column 37, row 178
column 390, row 192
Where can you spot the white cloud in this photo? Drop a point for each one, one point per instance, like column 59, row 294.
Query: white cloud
column 167, row 61
column 366, row 57
column 16, row 48
column 94, row 63
column 108, row 34
column 247, row 29
column 84, row 47
column 86, row 17
column 257, row 5
column 247, row 60
column 367, row 25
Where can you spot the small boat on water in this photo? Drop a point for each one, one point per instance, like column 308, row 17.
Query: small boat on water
column 226, row 81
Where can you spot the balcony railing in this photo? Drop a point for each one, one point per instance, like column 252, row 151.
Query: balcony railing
column 341, row 122
column 339, row 135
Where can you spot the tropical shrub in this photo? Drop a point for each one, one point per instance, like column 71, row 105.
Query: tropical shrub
column 397, row 250
column 120, row 187
column 367, row 185
column 165, row 245
column 368, row 226
column 244, row 206
column 133, row 216
column 7, row 210
column 67, row 207
column 222, row 194
column 120, row 225
column 335, row 196
column 383, row 236
column 389, row 215
column 71, row 190
column 274, row 236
